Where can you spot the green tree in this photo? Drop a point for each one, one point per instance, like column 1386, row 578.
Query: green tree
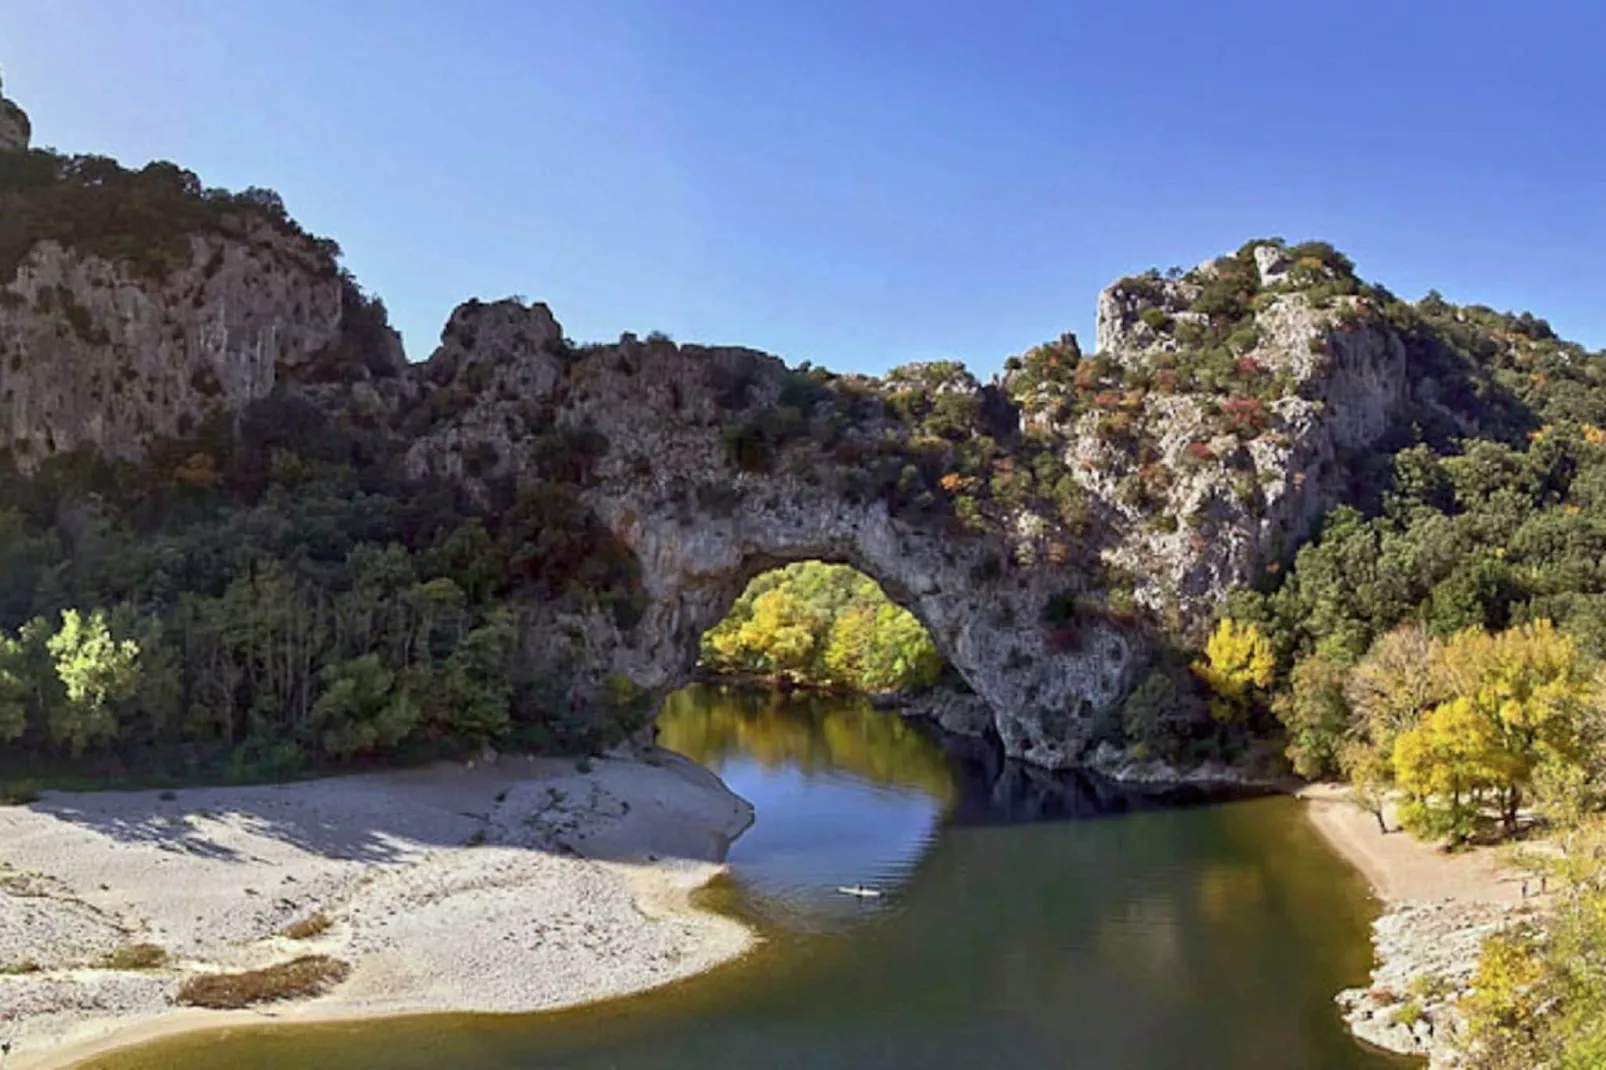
column 98, row 671
column 361, row 709
column 1317, row 716
column 15, row 688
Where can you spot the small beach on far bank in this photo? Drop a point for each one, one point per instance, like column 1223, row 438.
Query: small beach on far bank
column 1438, row 907
column 1402, row 868
column 510, row 886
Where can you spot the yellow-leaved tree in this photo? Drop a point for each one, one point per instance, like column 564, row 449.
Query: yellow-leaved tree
column 1238, row 662
column 780, row 633
column 1519, row 705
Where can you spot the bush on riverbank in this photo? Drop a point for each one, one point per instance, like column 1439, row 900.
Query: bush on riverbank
column 136, row 957
column 302, row 978
column 1538, row 998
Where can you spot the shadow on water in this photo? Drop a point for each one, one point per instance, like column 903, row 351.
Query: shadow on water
column 1013, row 933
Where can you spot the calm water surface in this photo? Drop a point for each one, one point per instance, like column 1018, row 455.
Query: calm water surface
column 1028, row 921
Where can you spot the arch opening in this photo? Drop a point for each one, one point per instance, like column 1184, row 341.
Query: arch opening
column 821, row 625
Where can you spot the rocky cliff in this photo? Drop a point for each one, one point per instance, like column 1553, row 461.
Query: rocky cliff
column 1049, row 528
column 135, row 306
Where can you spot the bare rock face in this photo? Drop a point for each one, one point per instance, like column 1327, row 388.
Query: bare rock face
column 1203, row 487
column 93, row 353
column 15, row 130
column 1238, row 503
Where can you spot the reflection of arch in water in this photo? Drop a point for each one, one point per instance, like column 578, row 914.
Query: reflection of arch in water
column 991, row 789
column 814, row 733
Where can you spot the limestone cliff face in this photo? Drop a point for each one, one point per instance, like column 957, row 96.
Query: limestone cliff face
column 134, row 306
column 1218, row 503
column 92, row 353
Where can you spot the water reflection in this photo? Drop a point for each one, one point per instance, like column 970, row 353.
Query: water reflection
column 845, row 796
column 816, row 735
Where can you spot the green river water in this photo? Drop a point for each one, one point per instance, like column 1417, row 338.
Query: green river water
column 1028, row 921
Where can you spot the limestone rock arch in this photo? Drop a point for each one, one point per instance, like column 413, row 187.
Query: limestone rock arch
column 712, row 464
column 671, row 485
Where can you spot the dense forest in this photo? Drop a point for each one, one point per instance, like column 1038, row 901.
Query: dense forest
column 225, row 617
column 826, row 626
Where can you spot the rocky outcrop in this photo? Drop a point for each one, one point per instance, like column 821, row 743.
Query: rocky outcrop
column 703, row 465
column 1131, row 767
column 956, row 712
column 1426, row 956
column 1222, row 484
column 669, row 485
column 93, row 354
column 136, row 306
column 15, row 130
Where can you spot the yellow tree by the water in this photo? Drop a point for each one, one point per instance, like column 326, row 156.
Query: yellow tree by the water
column 779, row 636
column 1519, row 703
column 1238, row 663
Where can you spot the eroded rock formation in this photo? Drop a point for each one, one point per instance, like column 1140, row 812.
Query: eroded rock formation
column 714, row 464
column 15, row 130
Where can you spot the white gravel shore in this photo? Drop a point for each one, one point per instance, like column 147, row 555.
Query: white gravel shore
column 516, row 885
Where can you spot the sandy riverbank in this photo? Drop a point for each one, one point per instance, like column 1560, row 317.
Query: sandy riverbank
column 1402, row 868
column 513, row 886
column 1437, row 909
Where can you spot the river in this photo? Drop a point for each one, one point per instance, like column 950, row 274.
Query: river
column 1026, row 921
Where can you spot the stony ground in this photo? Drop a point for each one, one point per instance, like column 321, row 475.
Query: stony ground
column 516, row 885
column 1438, row 908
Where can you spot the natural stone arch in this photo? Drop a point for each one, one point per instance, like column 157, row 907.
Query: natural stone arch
column 672, row 487
column 711, row 464
column 1041, row 698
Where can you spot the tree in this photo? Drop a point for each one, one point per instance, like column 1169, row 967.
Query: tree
column 900, row 654
column 1317, row 716
column 848, row 646
column 476, row 689
column 1529, row 689
column 1445, row 764
column 1394, row 683
column 98, row 671
column 361, row 709
column 1163, row 712
column 825, row 624
column 15, row 689
column 1370, row 771
column 1238, row 663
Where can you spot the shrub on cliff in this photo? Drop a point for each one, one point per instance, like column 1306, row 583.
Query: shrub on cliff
column 142, row 219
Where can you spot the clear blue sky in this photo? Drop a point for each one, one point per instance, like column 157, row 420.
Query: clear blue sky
column 853, row 182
